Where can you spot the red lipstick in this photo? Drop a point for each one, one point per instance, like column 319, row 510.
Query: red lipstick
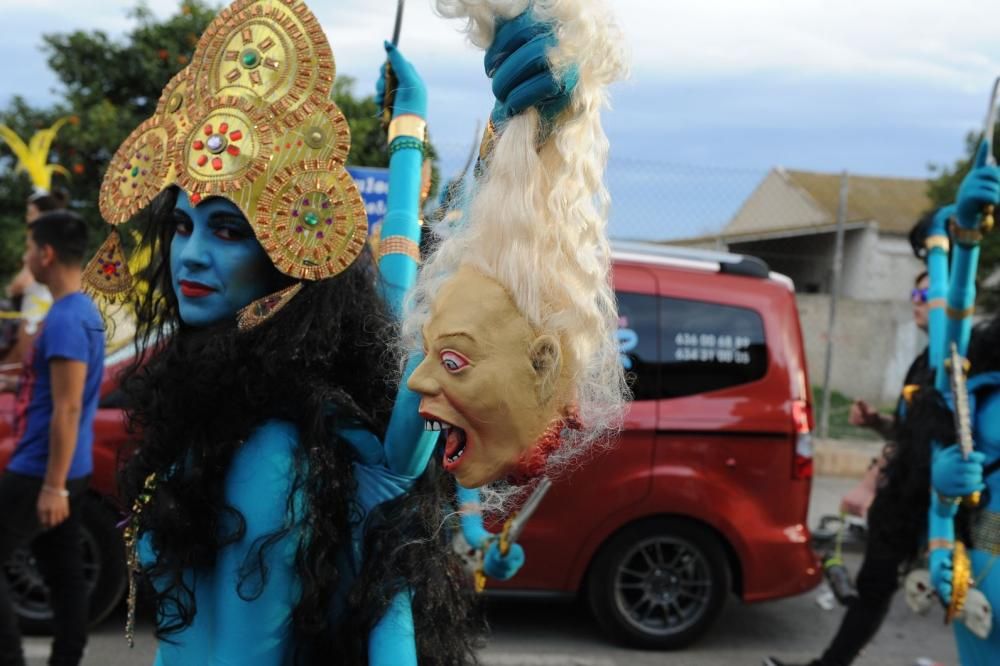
column 195, row 289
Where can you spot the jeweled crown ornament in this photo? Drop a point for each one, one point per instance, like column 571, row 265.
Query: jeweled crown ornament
column 251, row 119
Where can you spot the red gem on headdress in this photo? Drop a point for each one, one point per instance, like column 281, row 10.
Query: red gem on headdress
column 195, row 198
column 235, row 135
column 208, row 130
column 233, row 150
column 202, row 160
column 198, row 145
column 217, row 164
column 109, row 269
column 223, row 128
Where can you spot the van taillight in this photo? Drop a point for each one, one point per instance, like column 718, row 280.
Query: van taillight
column 802, row 461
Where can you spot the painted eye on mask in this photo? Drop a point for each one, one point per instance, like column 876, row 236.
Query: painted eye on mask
column 454, row 362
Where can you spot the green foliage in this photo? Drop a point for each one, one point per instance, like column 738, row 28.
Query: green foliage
column 943, row 190
column 840, row 409
column 109, row 87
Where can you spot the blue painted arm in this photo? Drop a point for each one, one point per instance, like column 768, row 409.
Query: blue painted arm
column 937, row 271
column 408, row 447
column 495, row 565
column 941, row 528
column 399, row 270
column 252, row 624
column 981, row 187
column 393, row 641
column 471, row 517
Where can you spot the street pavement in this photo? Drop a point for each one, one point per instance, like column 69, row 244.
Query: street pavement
column 544, row 633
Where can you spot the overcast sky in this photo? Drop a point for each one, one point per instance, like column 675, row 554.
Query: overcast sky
column 721, row 90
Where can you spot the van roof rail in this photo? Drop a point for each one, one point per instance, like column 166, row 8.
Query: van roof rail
column 728, row 263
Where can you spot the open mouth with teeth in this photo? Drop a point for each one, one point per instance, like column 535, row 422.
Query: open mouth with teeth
column 456, row 441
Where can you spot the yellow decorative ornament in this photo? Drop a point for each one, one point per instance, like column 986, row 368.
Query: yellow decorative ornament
column 251, row 119
column 961, row 581
column 33, row 157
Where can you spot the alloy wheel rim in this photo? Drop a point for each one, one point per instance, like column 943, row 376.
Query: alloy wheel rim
column 663, row 585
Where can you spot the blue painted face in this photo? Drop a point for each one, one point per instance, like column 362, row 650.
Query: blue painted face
column 217, row 266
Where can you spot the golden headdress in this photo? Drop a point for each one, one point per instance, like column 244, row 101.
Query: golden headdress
column 251, row 119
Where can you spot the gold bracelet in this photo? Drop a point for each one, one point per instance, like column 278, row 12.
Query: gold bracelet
column 944, row 499
column 399, row 245
column 408, row 124
column 940, row 544
column 937, row 242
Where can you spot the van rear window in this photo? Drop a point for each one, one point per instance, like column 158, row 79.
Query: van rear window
column 708, row 346
column 638, row 343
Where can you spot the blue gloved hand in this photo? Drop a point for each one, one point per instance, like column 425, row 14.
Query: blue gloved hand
column 503, row 568
column 518, row 63
column 411, row 94
column 940, row 567
column 979, row 188
column 952, row 476
column 942, row 215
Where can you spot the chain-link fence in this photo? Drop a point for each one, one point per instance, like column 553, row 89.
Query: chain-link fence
column 657, row 200
column 789, row 219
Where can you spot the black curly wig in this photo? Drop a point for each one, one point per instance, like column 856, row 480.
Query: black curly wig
column 898, row 516
column 195, row 395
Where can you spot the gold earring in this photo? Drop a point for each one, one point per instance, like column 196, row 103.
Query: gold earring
column 107, row 275
column 264, row 308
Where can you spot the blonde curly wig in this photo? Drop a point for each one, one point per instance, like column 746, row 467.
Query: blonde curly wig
column 536, row 221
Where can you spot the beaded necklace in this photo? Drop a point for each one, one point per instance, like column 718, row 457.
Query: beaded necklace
column 132, row 552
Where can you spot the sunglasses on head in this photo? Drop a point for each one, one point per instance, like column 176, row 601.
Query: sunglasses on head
column 918, row 296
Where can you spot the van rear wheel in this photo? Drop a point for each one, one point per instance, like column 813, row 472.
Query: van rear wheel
column 659, row 584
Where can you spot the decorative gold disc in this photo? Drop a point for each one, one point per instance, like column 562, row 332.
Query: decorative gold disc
column 275, row 51
column 311, row 220
column 136, row 173
column 227, row 147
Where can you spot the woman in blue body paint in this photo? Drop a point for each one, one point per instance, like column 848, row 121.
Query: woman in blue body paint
column 283, row 506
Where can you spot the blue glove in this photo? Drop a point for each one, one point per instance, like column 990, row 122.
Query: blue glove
column 941, row 217
column 503, row 568
column 940, row 565
column 979, row 188
column 411, row 94
column 952, row 476
column 518, row 63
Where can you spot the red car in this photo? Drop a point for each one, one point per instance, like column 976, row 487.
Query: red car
column 706, row 493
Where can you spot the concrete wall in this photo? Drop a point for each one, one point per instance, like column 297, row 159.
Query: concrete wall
column 876, row 268
column 874, row 344
column 808, row 260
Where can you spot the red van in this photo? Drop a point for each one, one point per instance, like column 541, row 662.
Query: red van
column 707, row 491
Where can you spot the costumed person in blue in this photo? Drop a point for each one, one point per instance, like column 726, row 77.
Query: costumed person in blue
column 282, row 505
column 960, row 421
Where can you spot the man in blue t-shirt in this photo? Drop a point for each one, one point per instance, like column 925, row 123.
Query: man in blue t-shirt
column 47, row 476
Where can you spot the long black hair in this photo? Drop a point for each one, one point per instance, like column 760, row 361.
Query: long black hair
column 898, row 516
column 320, row 363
